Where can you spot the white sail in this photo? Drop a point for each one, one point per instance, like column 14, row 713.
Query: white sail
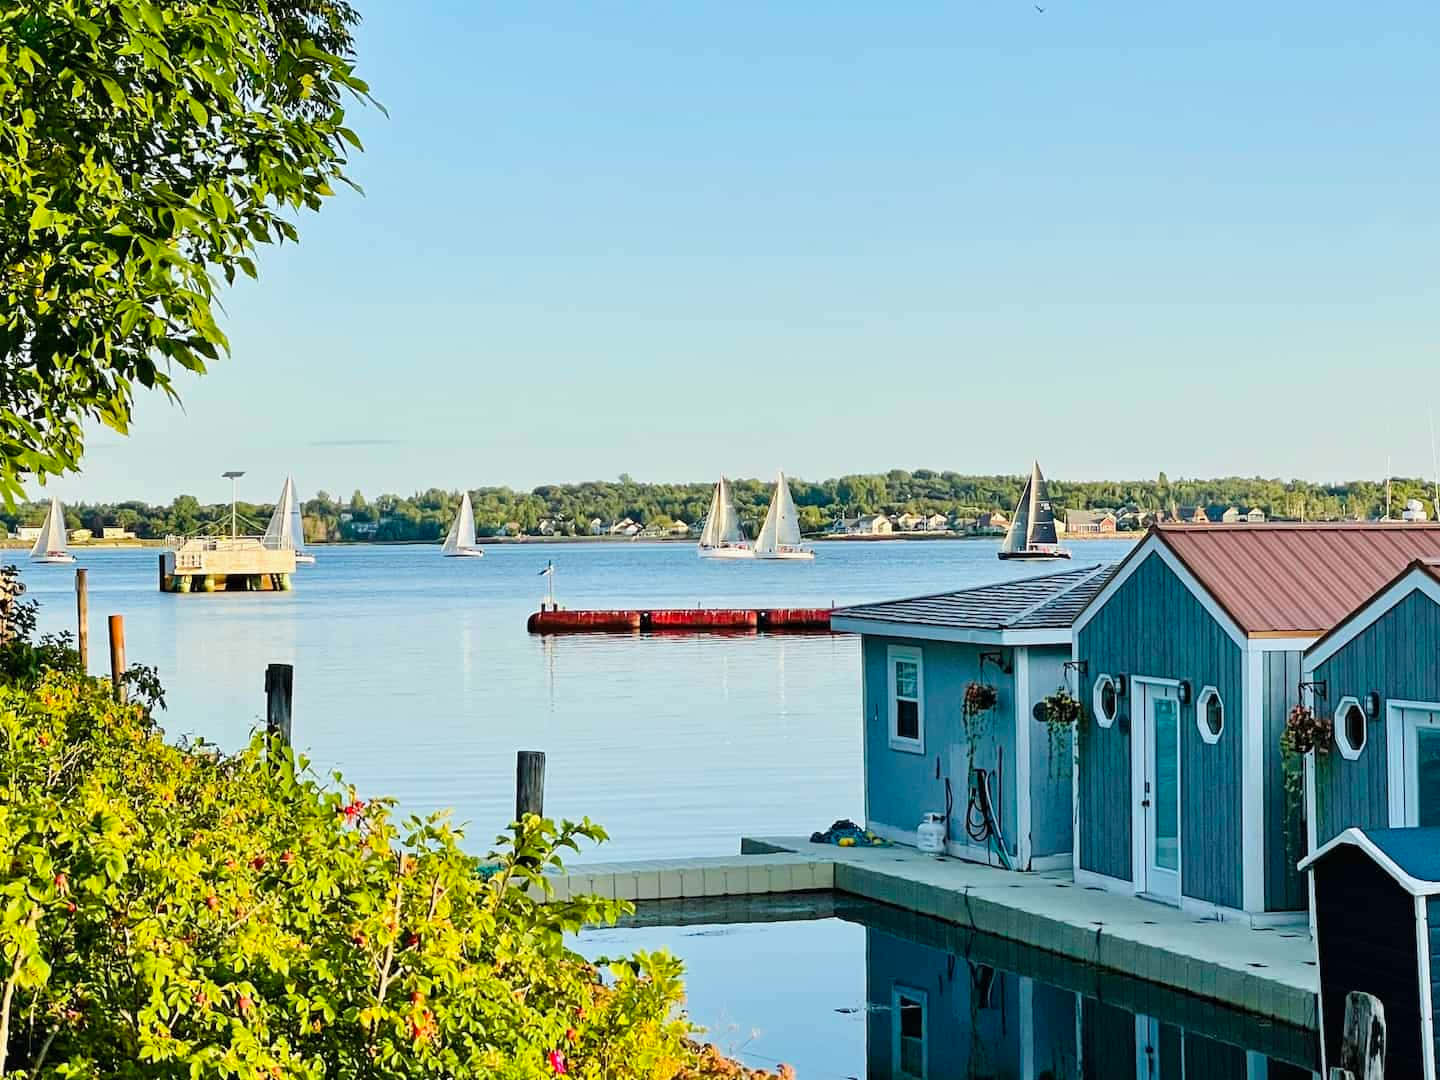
column 297, row 524
column 51, row 540
column 462, row 531
column 709, row 535
column 722, row 526
column 782, row 523
column 280, row 533
column 1018, row 534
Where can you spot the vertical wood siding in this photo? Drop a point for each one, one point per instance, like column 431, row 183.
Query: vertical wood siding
column 1284, row 837
column 1397, row 656
column 1051, row 804
column 1153, row 626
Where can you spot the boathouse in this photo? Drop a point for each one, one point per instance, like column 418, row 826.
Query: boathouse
column 925, row 753
column 1374, row 683
column 1191, row 659
column 1377, row 930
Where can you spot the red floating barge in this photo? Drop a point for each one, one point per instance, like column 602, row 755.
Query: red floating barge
column 716, row 620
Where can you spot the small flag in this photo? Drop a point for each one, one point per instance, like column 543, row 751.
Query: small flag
column 549, row 569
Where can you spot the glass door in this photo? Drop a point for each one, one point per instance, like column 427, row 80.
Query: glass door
column 1161, row 795
column 1421, row 765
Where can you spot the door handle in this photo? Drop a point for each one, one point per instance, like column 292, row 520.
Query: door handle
column 1144, row 802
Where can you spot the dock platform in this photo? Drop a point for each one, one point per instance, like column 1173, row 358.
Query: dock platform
column 1267, row 972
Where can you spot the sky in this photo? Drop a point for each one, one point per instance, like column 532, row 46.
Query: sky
column 675, row 240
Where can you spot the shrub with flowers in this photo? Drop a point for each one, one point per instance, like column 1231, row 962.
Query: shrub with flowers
column 1304, row 732
column 168, row 911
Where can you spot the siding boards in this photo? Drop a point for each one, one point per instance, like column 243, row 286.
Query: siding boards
column 1396, row 656
column 1051, row 804
column 1284, row 835
column 1153, row 626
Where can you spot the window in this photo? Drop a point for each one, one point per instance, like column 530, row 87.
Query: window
column 1413, row 748
column 907, row 699
column 1105, row 701
column 907, row 1020
column 1210, row 715
column 1350, row 728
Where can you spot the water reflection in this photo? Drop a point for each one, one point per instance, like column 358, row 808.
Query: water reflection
column 938, row 1002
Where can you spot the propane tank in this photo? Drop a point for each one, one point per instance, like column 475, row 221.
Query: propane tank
column 930, row 836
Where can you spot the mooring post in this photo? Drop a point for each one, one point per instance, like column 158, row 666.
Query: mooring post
column 117, row 656
column 529, row 783
column 279, row 696
column 1362, row 1046
column 82, row 618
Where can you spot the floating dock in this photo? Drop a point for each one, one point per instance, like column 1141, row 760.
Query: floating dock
column 225, row 564
column 551, row 620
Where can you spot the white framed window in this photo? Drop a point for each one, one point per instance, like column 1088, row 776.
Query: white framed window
column 1210, row 715
column 909, row 1057
column 907, row 698
column 1413, row 746
column 1105, row 700
column 1350, row 725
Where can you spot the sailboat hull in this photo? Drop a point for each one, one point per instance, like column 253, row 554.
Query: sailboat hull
column 792, row 554
column 465, row 553
column 53, row 559
column 726, row 553
column 1058, row 553
column 303, row 558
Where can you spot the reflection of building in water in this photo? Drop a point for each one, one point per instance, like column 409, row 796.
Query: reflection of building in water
column 934, row 1014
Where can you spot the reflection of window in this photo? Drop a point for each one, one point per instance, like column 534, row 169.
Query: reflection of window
column 907, row 696
column 1104, row 700
column 1210, row 714
column 907, row 1009
column 1349, row 728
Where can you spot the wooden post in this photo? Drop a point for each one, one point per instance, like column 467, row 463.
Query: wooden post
column 529, row 783
column 279, row 697
column 1362, row 1046
column 117, row 656
column 82, row 618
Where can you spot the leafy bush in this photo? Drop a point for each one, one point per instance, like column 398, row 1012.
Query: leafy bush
column 169, row 911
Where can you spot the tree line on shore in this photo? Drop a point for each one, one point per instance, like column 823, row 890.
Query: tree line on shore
column 579, row 509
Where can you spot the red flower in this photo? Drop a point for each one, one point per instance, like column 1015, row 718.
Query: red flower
column 557, row 1062
column 570, row 1035
column 288, row 858
column 243, row 1003
column 62, row 884
column 258, row 862
column 354, row 810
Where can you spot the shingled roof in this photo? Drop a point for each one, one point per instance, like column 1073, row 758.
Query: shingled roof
column 1049, row 602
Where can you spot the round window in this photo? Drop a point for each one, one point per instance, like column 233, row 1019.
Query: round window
column 1350, row 728
column 1105, row 701
column 1210, row 714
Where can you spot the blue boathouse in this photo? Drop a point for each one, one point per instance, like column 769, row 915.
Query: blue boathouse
column 926, row 754
column 1190, row 660
column 1374, row 684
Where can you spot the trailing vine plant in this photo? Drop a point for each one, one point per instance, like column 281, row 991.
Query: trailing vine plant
column 980, row 698
column 1304, row 733
column 1059, row 712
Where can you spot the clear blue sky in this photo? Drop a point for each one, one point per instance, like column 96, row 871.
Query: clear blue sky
column 674, row 239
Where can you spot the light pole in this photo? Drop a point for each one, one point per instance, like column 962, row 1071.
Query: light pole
column 233, row 475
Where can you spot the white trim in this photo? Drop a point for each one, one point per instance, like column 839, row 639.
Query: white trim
column 1422, row 962
column 1342, row 742
column 1156, row 546
column 1356, row 837
column 851, row 624
column 1074, row 674
column 1401, row 782
column 907, row 654
column 1095, row 687
column 1298, row 643
column 1252, row 784
column 1209, row 737
column 1257, row 1065
column 1371, row 612
column 1312, row 828
column 921, row 998
column 1139, row 772
column 1023, row 722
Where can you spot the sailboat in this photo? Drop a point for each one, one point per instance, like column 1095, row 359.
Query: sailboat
column 721, row 538
column 1032, row 530
column 780, row 535
column 460, row 543
column 50, row 544
column 286, row 530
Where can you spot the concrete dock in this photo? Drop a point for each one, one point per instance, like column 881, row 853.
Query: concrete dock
column 1266, row 972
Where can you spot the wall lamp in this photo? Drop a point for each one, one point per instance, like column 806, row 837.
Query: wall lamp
column 1121, row 685
column 1183, row 691
column 1372, row 704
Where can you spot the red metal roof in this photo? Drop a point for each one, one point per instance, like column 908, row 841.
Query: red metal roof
column 1291, row 578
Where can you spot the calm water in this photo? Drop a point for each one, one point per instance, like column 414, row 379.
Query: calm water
column 414, row 676
column 873, row 992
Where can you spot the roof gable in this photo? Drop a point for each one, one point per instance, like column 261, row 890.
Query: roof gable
column 1421, row 575
column 1410, row 856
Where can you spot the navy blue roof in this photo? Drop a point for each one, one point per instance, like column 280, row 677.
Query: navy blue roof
column 1414, row 853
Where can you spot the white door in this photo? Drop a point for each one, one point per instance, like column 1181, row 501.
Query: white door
column 1420, row 764
column 1159, row 807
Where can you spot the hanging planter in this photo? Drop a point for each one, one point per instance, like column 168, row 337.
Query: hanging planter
column 980, row 698
column 1305, row 732
column 1059, row 712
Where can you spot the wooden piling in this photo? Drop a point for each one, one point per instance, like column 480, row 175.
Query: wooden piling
column 279, row 697
column 529, row 783
column 117, row 656
column 82, row 618
column 1362, row 1046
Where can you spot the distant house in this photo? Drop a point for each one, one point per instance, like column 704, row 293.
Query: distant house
column 546, row 527
column 79, row 536
column 596, row 527
column 1193, row 515
column 116, row 532
column 992, row 521
column 1235, row 516
column 1414, row 511
column 873, row 525
column 1256, row 516
column 908, row 522
column 28, row 532
column 937, row 523
column 626, row 527
column 678, row 528
column 1090, row 522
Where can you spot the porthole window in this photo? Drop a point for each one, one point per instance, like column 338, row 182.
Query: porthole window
column 1105, row 701
column 1210, row 714
column 1350, row 727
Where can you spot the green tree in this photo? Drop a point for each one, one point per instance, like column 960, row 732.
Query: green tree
column 146, row 150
